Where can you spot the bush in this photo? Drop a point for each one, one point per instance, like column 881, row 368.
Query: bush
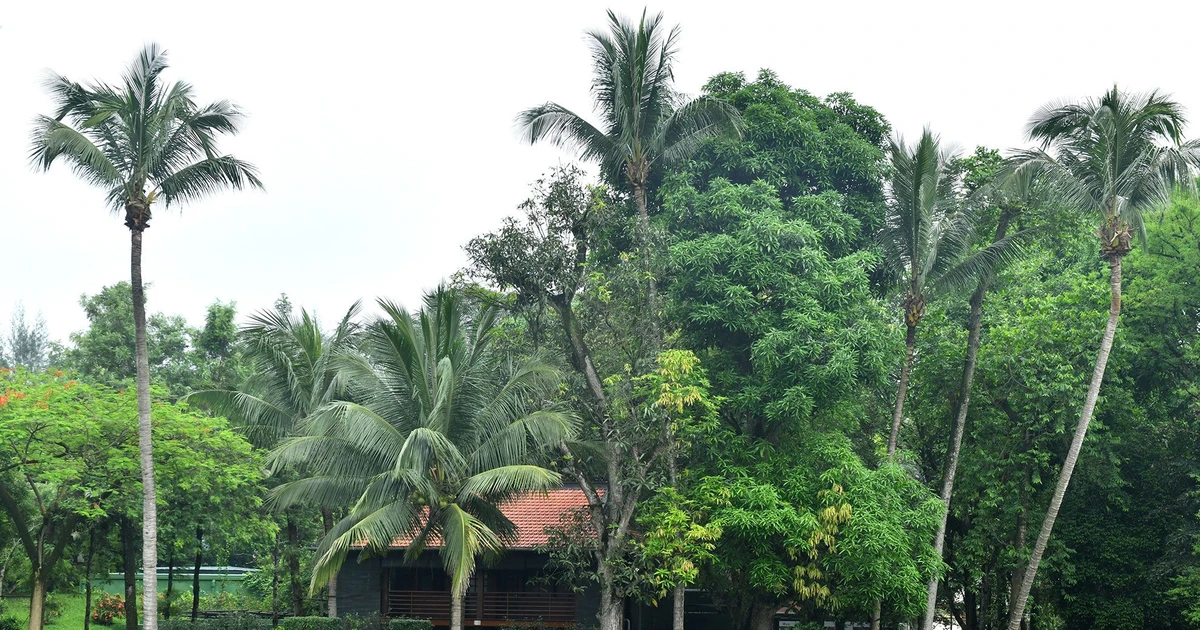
column 10, row 623
column 107, row 607
column 410, row 624
column 233, row 622
column 311, row 623
column 53, row 608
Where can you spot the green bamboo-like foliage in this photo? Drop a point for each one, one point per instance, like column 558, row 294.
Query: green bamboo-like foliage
column 437, row 432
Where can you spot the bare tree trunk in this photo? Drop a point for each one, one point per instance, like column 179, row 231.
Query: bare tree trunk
column 956, row 434
column 612, row 608
column 1019, row 539
column 37, row 601
column 170, row 582
column 910, row 345
column 293, row 553
column 87, row 574
column 762, row 616
column 129, row 563
column 456, row 611
column 876, row 614
column 275, row 583
column 196, row 572
column 652, row 301
column 1017, row 608
column 145, row 442
column 331, row 587
column 679, row 599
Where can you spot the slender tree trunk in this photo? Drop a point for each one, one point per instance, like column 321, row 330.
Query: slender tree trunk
column 456, row 611
column 87, row 585
column 145, row 443
column 1019, row 539
column 275, row 583
column 910, row 345
column 37, row 600
column 652, row 301
column 956, row 435
column 196, row 572
column 129, row 563
column 170, row 582
column 877, row 614
column 293, row 535
column 1017, row 610
column 678, row 601
column 331, row 587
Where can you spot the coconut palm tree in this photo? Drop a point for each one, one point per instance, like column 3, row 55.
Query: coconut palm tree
column 923, row 236
column 644, row 122
column 141, row 141
column 293, row 374
column 440, row 433
column 1115, row 157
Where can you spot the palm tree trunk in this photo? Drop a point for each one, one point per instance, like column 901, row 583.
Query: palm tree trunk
column 910, row 344
column 1017, row 608
column 456, row 611
column 145, row 444
column 956, row 435
column 652, row 302
column 293, row 553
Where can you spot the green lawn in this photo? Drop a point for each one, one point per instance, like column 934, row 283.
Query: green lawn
column 72, row 612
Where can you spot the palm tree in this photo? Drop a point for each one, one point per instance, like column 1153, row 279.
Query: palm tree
column 442, row 431
column 982, row 268
column 644, row 121
column 141, row 141
column 924, row 233
column 1114, row 157
column 293, row 374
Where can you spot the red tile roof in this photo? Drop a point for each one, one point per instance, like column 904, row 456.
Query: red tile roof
column 531, row 513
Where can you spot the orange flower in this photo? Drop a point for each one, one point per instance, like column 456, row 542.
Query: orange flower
column 58, row 373
column 4, row 370
column 3, row 400
column 19, row 395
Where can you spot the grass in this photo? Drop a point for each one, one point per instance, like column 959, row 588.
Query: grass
column 72, row 612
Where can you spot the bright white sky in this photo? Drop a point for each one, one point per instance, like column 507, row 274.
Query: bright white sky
column 384, row 131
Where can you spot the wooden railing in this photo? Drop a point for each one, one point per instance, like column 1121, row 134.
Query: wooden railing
column 419, row 604
column 546, row 607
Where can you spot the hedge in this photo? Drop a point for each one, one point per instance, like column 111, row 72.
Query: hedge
column 246, row 622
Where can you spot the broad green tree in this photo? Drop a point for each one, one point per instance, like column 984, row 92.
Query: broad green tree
column 440, row 433
column 142, row 141
column 1115, row 157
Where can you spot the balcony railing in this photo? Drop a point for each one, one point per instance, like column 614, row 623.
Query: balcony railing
column 552, row 608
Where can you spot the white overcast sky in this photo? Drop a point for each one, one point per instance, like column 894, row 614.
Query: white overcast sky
column 384, row 131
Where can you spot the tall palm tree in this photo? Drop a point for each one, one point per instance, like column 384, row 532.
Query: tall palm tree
column 1115, row 157
column 141, row 141
column 923, row 235
column 644, row 122
column 293, row 374
column 442, row 431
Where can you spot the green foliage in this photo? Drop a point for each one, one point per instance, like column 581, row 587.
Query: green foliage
column 10, row 623
column 231, row 622
column 410, row 624
column 311, row 623
column 470, row 434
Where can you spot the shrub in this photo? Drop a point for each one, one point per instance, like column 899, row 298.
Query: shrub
column 233, row 622
column 10, row 623
column 410, row 624
column 53, row 608
column 107, row 607
column 311, row 623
